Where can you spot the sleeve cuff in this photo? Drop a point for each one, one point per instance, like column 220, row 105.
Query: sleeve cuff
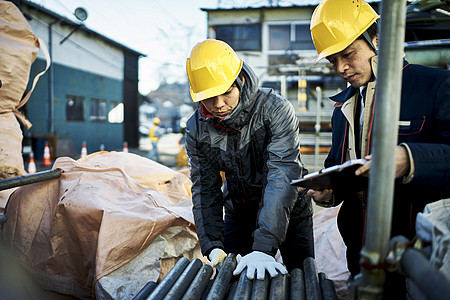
column 407, row 179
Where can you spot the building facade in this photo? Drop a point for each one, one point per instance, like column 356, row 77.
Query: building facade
column 90, row 93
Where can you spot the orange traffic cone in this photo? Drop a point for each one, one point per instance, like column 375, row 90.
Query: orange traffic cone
column 31, row 164
column 125, row 147
column 47, row 161
column 83, row 150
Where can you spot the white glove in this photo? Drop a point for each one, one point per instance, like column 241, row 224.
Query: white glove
column 216, row 256
column 259, row 262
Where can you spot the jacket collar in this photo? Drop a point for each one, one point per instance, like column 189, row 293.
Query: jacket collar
column 351, row 91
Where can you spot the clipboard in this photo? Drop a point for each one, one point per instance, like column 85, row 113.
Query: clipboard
column 335, row 177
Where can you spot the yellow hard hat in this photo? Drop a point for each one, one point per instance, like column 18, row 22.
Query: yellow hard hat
column 156, row 121
column 212, row 67
column 335, row 24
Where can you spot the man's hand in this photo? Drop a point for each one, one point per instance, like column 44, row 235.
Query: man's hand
column 259, row 262
column 402, row 163
column 322, row 198
column 216, row 256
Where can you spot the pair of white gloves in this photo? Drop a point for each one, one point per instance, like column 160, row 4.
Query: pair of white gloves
column 254, row 261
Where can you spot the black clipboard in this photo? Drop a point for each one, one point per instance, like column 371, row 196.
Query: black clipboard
column 336, row 177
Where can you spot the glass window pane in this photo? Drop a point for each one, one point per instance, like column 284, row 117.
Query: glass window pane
column 74, row 108
column 224, row 33
column 303, row 40
column 240, row 37
column 98, row 110
column 279, row 37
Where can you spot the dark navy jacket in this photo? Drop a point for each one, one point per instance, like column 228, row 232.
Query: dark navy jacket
column 425, row 109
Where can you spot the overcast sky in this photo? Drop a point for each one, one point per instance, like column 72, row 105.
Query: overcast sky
column 164, row 30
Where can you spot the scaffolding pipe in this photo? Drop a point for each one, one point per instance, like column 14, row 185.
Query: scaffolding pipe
column 297, row 284
column 222, row 280
column 166, row 284
column 278, row 287
column 317, row 126
column 232, row 291
column 199, row 283
column 382, row 174
column 244, row 287
column 431, row 282
column 260, row 288
column 145, row 291
column 29, row 179
column 312, row 285
column 327, row 287
column 183, row 282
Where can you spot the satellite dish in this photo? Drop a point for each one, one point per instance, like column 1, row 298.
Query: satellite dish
column 81, row 14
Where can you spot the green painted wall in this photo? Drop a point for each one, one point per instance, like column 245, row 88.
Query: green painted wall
column 69, row 81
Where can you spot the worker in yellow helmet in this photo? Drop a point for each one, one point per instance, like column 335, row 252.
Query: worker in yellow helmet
column 345, row 33
column 154, row 134
column 252, row 135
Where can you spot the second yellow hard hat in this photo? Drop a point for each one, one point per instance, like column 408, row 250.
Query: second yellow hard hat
column 335, row 24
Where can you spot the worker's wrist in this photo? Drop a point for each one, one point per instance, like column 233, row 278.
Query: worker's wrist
column 326, row 203
column 411, row 170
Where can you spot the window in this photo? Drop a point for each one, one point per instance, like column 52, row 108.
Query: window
column 290, row 37
column 279, row 37
column 303, row 39
column 240, row 37
column 74, row 108
column 98, row 110
column 115, row 114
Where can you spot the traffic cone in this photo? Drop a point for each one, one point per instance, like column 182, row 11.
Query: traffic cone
column 125, row 147
column 102, row 147
column 83, row 150
column 31, row 164
column 47, row 161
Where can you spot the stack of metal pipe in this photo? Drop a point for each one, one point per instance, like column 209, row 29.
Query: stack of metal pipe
column 192, row 280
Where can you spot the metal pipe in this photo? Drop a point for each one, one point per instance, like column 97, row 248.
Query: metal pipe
column 199, row 283
column 327, row 287
column 29, row 178
column 260, row 289
column 278, row 287
column 232, row 290
column 244, row 287
column 430, row 281
column 312, row 286
column 177, row 290
column 297, row 284
column 208, row 288
column 145, row 291
column 382, row 173
column 50, row 76
column 317, row 126
column 164, row 286
column 222, row 280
